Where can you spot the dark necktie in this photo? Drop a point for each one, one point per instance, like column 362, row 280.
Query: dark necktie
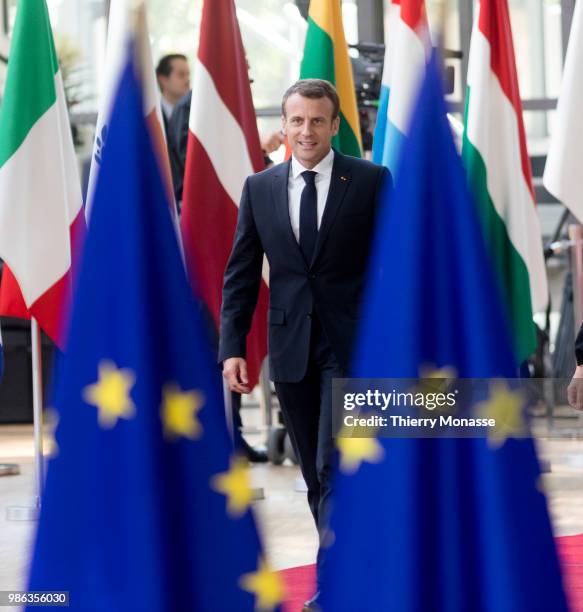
column 308, row 215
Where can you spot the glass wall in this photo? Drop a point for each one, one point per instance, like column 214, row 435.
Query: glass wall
column 273, row 33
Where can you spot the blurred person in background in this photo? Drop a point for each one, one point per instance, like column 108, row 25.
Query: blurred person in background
column 173, row 75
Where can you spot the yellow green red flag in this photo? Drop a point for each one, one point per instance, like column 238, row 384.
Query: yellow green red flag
column 326, row 57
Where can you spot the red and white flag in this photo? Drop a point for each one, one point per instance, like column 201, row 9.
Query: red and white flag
column 223, row 150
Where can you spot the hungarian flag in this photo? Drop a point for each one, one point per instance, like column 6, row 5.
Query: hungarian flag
column 40, row 193
column 223, row 150
column 407, row 45
column 326, row 57
column 563, row 176
column 498, row 169
column 125, row 24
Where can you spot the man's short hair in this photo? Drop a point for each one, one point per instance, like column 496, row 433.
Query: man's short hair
column 164, row 67
column 313, row 88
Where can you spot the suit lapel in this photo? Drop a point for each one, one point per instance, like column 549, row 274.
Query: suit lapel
column 281, row 205
column 339, row 181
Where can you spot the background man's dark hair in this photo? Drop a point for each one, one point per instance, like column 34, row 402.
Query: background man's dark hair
column 164, row 67
column 313, row 88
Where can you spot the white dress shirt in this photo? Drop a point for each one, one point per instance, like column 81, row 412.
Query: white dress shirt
column 167, row 107
column 296, row 185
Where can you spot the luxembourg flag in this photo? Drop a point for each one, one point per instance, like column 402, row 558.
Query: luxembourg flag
column 407, row 48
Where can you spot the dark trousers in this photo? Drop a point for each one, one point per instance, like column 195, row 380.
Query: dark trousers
column 307, row 412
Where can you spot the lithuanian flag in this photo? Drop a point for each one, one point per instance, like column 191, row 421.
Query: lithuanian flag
column 326, row 57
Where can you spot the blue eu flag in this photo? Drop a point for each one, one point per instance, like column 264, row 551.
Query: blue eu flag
column 143, row 510
column 436, row 525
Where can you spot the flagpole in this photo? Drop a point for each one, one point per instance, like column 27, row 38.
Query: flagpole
column 31, row 513
column 7, row 469
column 576, row 235
column 37, row 408
column 228, row 409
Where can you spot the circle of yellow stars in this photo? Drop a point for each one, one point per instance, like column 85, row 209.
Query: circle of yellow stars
column 110, row 394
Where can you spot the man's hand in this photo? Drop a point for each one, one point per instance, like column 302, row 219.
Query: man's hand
column 235, row 373
column 271, row 142
column 575, row 389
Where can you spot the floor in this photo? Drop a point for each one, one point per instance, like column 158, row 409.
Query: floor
column 284, row 518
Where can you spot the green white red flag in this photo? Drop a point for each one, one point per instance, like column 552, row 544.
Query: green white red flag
column 498, row 168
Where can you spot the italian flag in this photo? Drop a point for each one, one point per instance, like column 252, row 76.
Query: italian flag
column 326, row 57
column 497, row 164
column 40, row 194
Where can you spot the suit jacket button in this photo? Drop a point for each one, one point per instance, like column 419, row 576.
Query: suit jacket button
column 312, row 276
column 309, row 315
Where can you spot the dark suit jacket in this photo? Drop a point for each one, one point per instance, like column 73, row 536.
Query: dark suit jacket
column 330, row 285
column 579, row 346
column 177, row 133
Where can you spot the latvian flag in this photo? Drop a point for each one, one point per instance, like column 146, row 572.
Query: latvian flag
column 223, row 150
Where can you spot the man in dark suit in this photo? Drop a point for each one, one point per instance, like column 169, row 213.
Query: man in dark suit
column 177, row 134
column 173, row 76
column 313, row 218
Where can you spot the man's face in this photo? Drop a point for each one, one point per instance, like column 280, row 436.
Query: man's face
column 177, row 83
column 309, row 127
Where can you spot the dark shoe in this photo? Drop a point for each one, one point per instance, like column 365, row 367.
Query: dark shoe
column 313, row 604
column 253, row 455
column 256, row 455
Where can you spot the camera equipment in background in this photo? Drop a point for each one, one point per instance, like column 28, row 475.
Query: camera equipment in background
column 367, row 70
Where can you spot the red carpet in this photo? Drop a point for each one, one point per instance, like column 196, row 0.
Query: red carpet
column 299, row 581
column 570, row 550
column 299, row 586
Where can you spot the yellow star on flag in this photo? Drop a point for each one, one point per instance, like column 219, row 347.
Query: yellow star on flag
column 447, row 372
column 505, row 407
column 179, row 412
column 111, row 394
column 236, row 485
column 353, row 451
column 266, row 585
